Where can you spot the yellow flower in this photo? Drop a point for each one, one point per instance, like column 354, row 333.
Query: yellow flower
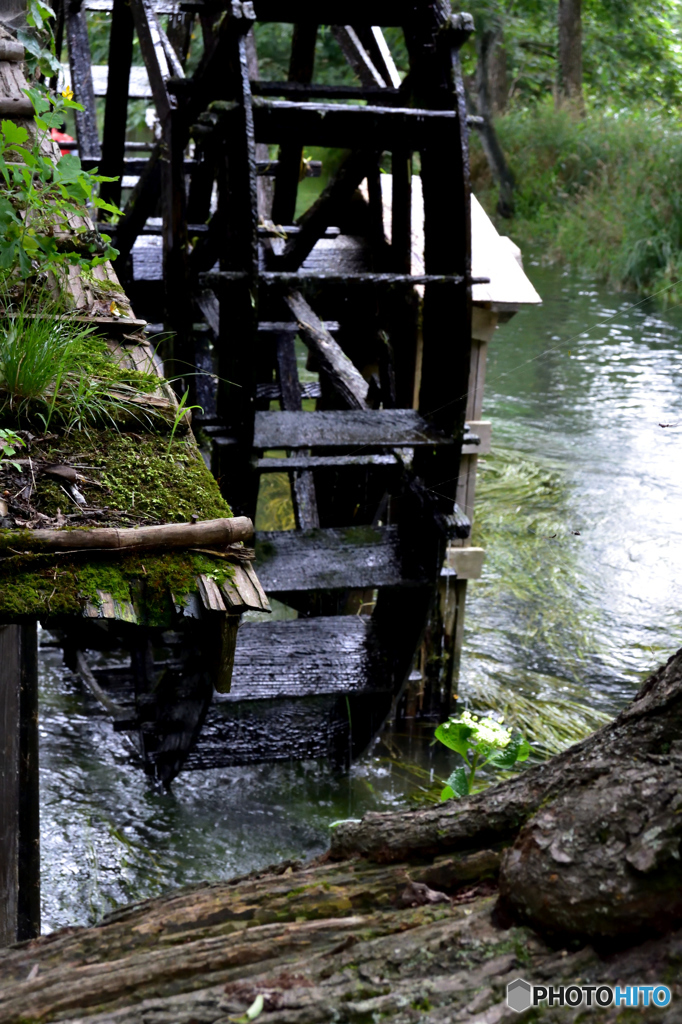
column 67, row 93
column 113, row 308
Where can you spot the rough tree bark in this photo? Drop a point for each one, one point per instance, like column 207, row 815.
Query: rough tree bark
column 571, row 54
column 591, row 836
column 595, row 831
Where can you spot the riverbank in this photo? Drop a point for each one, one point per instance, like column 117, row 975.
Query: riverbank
column 599, row 193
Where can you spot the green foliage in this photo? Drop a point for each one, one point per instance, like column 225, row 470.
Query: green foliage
column 627, row 59
column 599, row 193
column 479, row 742
column 40, row 199
column 54, row 368
column 9, row 442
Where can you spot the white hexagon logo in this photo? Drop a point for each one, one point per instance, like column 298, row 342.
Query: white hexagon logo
column 518, row 995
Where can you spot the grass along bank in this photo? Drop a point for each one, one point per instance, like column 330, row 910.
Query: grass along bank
column 600, row 193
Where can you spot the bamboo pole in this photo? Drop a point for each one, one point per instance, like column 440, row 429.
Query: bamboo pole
column 143, row 538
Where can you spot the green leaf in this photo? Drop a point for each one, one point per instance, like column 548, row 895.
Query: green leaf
column 101, row 205
column 447, row 793
column 455, row 735
column 459, row 781
column 517, row 749
column 15, row 134
column 39, row 99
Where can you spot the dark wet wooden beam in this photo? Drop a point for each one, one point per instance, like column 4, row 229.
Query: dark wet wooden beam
column 342, row 374
column 116, row 104
column 353, row 557
column 346, row 428
column 140, row 206
column 341, row 125
column 301, row 481
column 348, row 12
column 81, row 78
column 291, row 152
column 319, row 90
column 19, row 781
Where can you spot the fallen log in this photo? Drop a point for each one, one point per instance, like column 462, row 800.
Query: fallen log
column 593, row 835
column 423, row 939
column 218, row 532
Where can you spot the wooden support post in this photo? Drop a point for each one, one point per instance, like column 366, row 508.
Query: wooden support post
column 19, row 808
column 116, row 104
column 302, row 481
column 290, row 153
column 238, row 211
column 81, row 79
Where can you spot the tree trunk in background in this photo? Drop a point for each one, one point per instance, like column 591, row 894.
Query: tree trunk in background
column 487, row 42
column 498, row 77
column 570, row 55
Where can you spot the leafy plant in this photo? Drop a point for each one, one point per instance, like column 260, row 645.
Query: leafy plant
column 479, row 742
column 41, row 200
column 9, row 442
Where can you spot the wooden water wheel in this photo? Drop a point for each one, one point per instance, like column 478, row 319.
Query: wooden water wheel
column 210, row 247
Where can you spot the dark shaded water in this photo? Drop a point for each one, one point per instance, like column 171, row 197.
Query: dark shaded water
column 582, row 595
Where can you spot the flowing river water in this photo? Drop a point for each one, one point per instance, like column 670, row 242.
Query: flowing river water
column 579, row 508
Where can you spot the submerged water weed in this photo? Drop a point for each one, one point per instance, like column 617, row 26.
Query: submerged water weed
column 480, row 742
column 533, row 596
column 550, row 722
column 526, row 523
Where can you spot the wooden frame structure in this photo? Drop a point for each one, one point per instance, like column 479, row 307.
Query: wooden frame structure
column 373, row 473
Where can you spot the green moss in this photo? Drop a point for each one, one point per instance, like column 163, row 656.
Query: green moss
column 145, row 476
column 46, row 585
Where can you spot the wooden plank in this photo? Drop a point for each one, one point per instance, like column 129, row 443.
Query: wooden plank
column 243, row 591
column 107, row 608
column 375, row 428
column 339, row 12
column 328, row 124
column 81, row 77
column 330, row 559
column 209, row 592
column 298, row 461
column 116, row 105
column 466, row 562
column 28, row 908
column 258, row 732
column 305, row 657
column 322, row 91
column 339, row 370
column 13, row 101
column 238, row 211
column 150, row 35
column 372, row 38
